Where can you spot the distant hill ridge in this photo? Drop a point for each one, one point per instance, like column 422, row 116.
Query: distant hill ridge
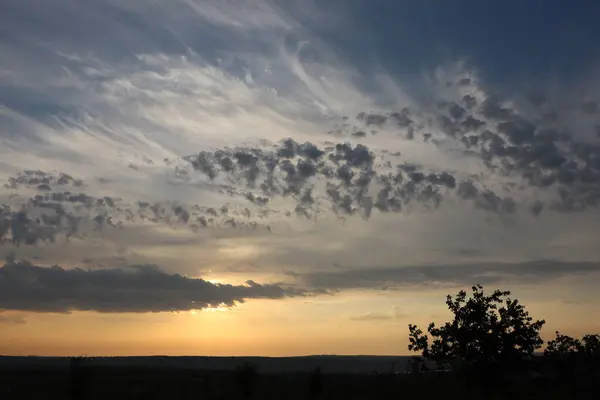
column 327, row 363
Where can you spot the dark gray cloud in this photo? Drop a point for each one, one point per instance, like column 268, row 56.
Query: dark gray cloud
column 589, row 107
column 140, row 289
column 469, row 101
column 370, row 123
column 519, row 148
column 533, row 149
column 471, row 124
column 494, row 109
column 61, row 216
column 54, row 214
column 445, row 275
column 546, row 159
column 350, row 179
column 538, row 151
column 485, row 199
column 44, row 43
column 370, row 119
column 536, row 98
column 457, row 112
column 41, row 180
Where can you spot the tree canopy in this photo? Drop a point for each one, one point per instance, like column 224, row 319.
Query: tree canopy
column 490, row 328
column 563, row 345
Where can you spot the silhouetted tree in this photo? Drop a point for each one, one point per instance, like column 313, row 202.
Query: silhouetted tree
column 245, row 376
column 562, row 345
column 487, row 331
column 591, row 344
column 573, row 357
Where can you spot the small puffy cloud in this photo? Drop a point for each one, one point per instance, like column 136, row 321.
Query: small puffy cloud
column 522, row 148
column 350, row 179
column 60, row 209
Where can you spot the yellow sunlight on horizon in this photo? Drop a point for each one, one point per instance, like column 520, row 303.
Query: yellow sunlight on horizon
column 352, row 323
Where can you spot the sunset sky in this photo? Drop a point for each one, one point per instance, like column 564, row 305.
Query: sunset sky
column 291, row 177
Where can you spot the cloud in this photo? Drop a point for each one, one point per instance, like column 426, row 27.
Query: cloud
column 445, row 275
column 11, row 319
column 371, row 316
column 151, row 92
column 557, row 158
column 344, row 178
column 133, row 131
column 41, row 180
column 396, row 312
column 139, row 289
column 353, row 179
column 59, row 209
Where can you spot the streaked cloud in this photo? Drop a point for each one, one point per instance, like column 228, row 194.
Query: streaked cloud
column 447, row 275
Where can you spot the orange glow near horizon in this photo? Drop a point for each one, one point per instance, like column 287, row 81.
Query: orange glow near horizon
column 290, row 327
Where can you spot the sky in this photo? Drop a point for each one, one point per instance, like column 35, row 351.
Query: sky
column 292, row 177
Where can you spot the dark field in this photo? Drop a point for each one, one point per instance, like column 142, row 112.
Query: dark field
column 115, row 383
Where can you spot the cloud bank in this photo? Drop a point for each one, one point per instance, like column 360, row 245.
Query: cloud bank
column 138, row 289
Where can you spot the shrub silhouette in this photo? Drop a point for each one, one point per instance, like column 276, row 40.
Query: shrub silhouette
column 487, row 331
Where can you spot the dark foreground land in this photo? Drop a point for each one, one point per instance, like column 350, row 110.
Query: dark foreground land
column 130, row 382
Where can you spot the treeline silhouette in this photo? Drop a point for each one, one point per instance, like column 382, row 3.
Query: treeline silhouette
column 489, row 349
column 491, row 344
